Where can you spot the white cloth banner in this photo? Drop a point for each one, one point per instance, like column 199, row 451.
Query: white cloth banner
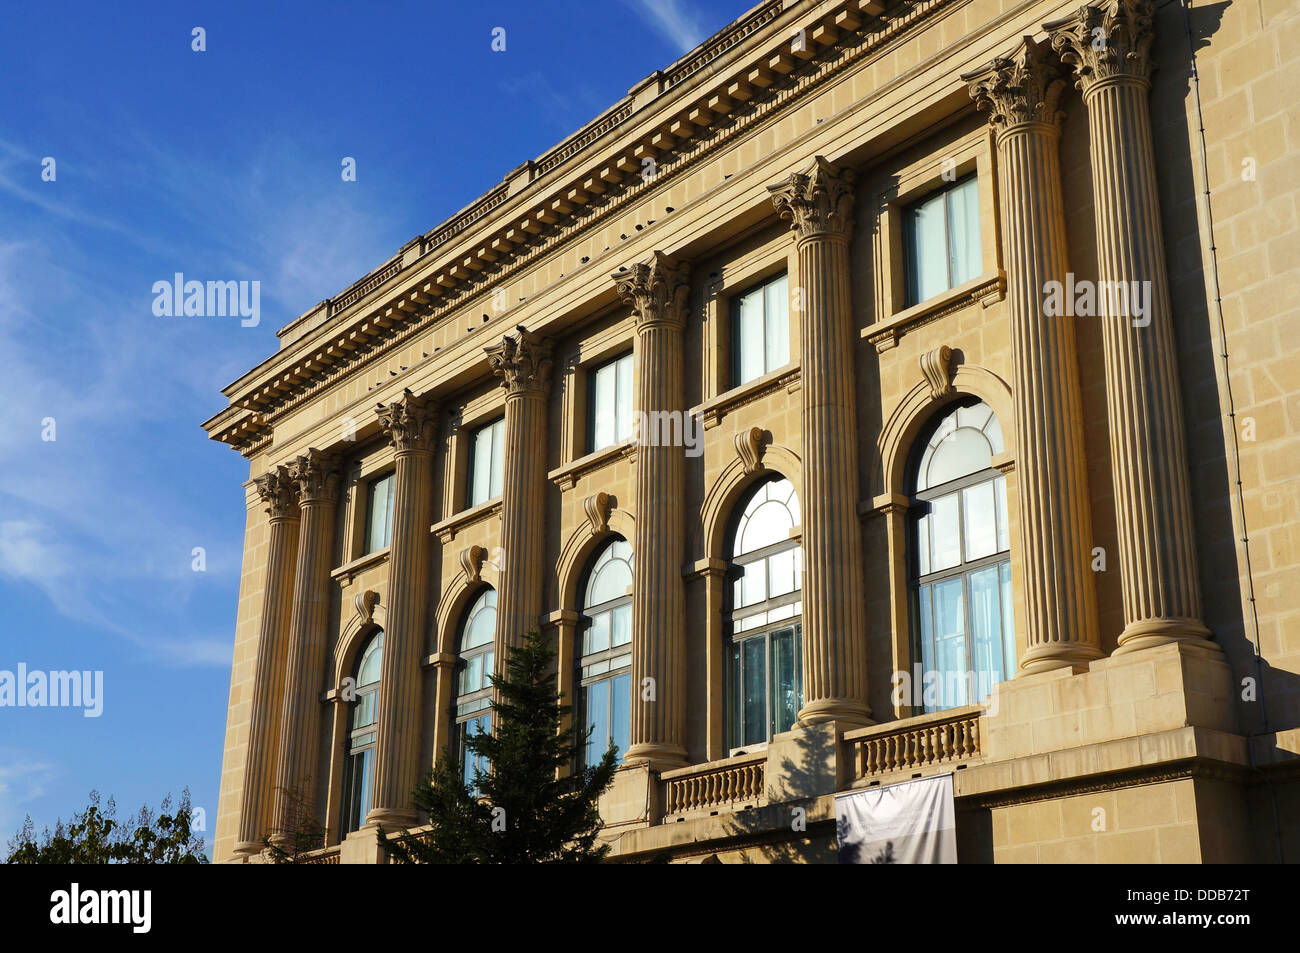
column 909, row 823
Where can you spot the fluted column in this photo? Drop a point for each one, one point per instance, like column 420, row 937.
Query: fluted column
column 317, row 477
column 277, row 491
column 1023, row 95
column 523, row 363
column 657, row 293
column 819, row 205
column 411, row 423
column 1108, row 48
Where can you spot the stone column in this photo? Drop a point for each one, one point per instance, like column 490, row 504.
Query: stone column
column 657, row 293
column 411, row 423
column 317, row 477
column 1108, row 49
column 1022, row 95
column 523, row 363
column 277, row 490
column 819, row 205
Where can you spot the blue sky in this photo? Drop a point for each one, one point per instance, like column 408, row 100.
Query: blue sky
column 224, row 165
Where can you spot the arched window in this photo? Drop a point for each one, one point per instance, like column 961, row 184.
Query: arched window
column 605, row 668
column 764, row 679
column 473, row 690
column 359, row 769
column 961, row 568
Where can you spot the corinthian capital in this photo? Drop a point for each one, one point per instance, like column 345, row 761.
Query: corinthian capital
column 1025, row 87
column 317, row 475
column 817, row 202
column 410, row 422
column 1102, row 41
column 523, row 362
column 279, row 492
column 657, row 291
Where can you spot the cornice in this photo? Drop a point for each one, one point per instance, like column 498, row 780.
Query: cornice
column 678, row 132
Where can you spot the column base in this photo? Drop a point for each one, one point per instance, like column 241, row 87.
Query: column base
column 659, row 757
column 848, row 711
column 1148, row 633
column 391, row 818
column 246, row 851
column 1049, row 657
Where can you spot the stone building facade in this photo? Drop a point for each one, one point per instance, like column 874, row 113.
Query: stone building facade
column 884, row 389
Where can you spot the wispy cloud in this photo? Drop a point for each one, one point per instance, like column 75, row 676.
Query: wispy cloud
column 23, row 779
column 673, row 20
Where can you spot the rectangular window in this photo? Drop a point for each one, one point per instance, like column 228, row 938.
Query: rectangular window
column 760, row 330
column 487, row 458
column 609, row 404
column 379, row 513
column 942, row 238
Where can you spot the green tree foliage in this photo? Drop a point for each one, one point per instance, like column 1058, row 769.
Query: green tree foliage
column 536, row 803
column 95, row 836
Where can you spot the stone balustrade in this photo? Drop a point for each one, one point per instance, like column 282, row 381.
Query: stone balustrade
column 946, row 737
column 726, row 784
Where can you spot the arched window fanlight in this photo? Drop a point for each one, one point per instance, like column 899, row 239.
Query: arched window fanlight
column 605, row 667
column 363, row 725
column 474, row 690
column 764, row 679
column 961, row 564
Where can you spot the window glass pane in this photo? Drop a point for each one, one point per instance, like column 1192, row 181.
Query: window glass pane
column 980, row 521
column 604, row 399
column 963, row 232
column 1000, row 495
column 785, row 679
column 1008, row 621
column 986, row 625
column 620, row 712
column 481, row 467
column 597, row 639
column 753, row 585
column 945, row 542
column 963, row 451
column 371, row 661
column 780, row 568
column 735, row 707
column 923, row 545
column 755, row 651
column 498, row 457
column 620, row 630
column 925, row 621
column 379, row 510
column 927, row 251
column 623, row 398
column 950, row 642
column 776, row 322
column 747, row 343
column 597, row 720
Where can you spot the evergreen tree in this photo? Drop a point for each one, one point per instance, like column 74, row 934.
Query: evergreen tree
column 536, row 802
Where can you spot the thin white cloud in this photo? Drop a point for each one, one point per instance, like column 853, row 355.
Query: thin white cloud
column 673, row 20
column 23, row 779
